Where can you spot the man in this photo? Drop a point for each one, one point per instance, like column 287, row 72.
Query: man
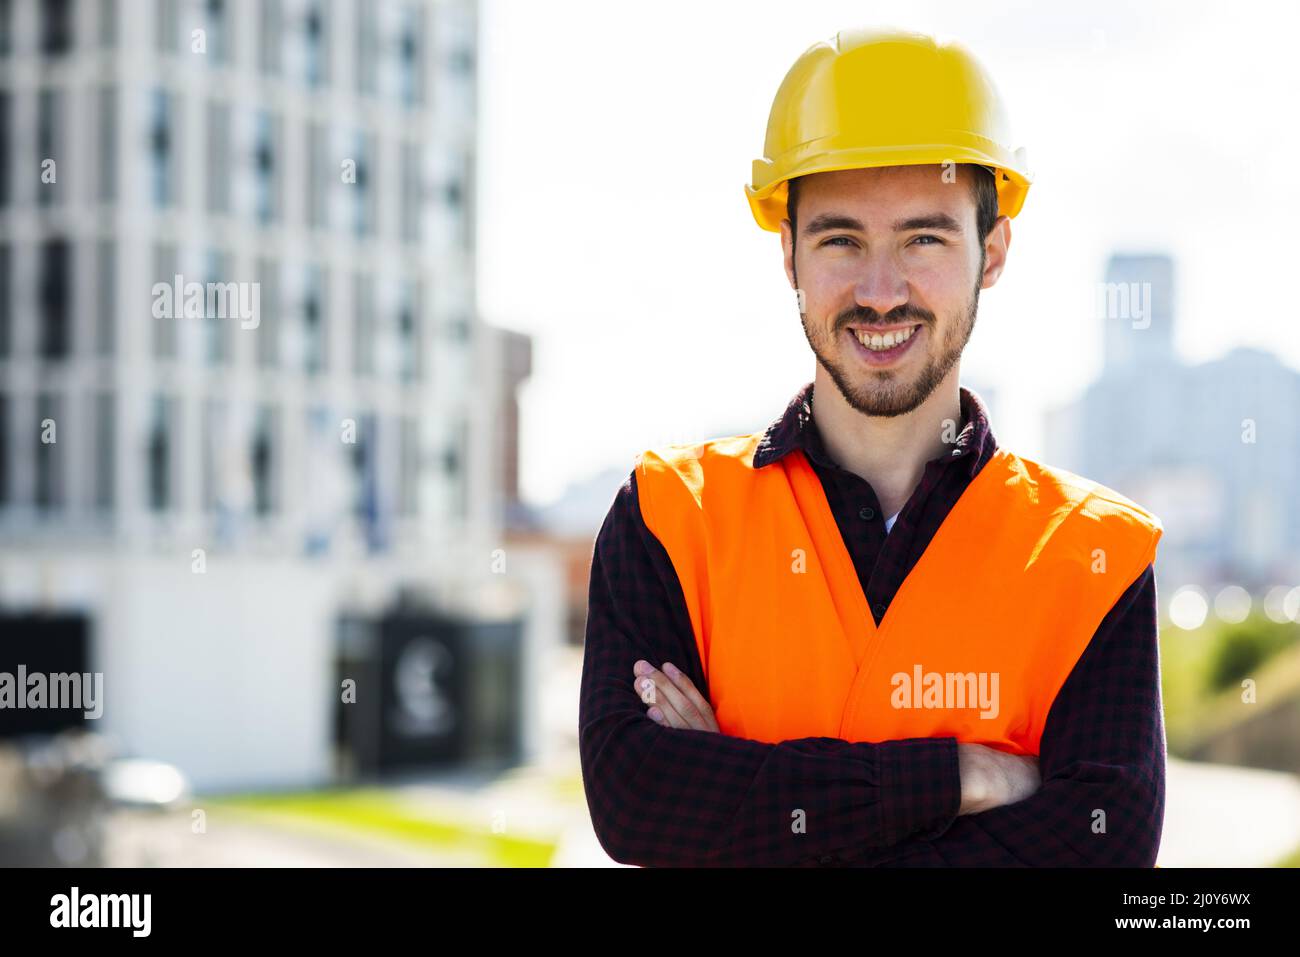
column 868, row 635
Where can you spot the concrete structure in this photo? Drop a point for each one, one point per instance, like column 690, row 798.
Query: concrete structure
column 243, row 385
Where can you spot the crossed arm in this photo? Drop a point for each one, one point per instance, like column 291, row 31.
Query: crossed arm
column 1102, row 759
column 672, row 796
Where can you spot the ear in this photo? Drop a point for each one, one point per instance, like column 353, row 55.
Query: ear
column 995, row 251
column 787, row 249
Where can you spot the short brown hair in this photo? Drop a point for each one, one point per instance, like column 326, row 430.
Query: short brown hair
column 984, row 190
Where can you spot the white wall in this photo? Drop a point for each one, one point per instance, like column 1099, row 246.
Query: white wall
column 229, row 674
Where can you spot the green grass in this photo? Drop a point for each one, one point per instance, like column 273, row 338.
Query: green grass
column 375, row 812
column 569, row 786
column 1189, row 661
column 1291, row 860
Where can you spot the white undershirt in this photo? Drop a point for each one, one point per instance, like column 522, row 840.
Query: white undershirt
column 889, row 522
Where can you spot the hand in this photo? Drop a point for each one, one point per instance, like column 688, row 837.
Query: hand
column 991, row 778
column 673, row 699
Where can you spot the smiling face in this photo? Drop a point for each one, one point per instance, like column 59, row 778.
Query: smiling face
column 891, row 265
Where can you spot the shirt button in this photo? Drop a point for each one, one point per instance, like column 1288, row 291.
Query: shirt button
column 826, row 858
column 866, row 512
column 879, row 609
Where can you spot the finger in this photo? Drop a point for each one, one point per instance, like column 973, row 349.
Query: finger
column 669, row 716
column 658, row 691
column 649, row 689
column 658, row 706
column 669, row 693
column 646, row 689
column 659, row 709
column 687, row 687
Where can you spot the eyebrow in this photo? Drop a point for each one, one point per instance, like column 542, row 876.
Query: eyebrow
column 827, row 222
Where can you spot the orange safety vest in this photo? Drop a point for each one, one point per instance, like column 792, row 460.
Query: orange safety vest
column 977, row 642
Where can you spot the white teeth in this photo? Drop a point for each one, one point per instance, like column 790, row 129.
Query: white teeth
column 877, row 342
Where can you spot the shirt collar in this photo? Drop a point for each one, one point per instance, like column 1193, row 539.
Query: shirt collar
column 796, row 429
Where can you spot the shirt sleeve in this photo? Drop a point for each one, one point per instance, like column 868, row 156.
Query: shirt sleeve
column 663, row 796
column 1102, row 760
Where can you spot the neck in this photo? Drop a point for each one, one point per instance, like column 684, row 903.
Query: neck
column 890, row 453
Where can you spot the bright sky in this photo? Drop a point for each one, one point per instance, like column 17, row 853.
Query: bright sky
column 614, row 228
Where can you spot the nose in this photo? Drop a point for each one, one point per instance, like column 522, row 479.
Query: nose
column 881, row 285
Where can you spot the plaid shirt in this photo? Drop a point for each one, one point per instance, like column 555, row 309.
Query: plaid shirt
column 663, row 796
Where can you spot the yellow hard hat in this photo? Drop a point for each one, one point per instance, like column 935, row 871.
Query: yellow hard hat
column 873, row 97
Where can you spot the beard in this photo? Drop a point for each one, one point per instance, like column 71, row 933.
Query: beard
column 891, row 392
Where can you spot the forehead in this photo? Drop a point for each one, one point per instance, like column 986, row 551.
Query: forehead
column 887, row 191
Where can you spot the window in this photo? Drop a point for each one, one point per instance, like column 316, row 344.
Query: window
column 107, row 23
column 456, row 470
column 106, row 118
column 409, row 474
column 263, row 466
column 49, row 454
column 218, row 157
column 49, row 146
column 158, row 450
column 409, row 61
column 165, row 259
column 365, row 504
column 165, row 21
column 4, row 450
column 412, row 191
column 363, row 209
column 6, row 27
column 363, row 325
column 105, row 297
column 268, row 329
column 461, row 328
column 55, row 299
column 105, row 419
column 266, row 189
column 315, row 340
column 408, row 339
column 212, row 453
column 56, row 26
column 162, row 161
column 462, row 62
column 367, row 33
column 319, row 175
column 314, row 47
column 270, row 37
column 216, row 327
column 324, row 462
column 458, row 191
column 218, row 26
column 6, row 117
column 6, row 307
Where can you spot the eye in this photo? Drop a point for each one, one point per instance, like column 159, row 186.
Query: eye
column 834, row 239
column 935, row 238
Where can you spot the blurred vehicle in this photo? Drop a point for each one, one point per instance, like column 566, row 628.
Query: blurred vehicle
column 57, row 792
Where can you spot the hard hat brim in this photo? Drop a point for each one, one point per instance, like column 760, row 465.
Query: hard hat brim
column 768, row 202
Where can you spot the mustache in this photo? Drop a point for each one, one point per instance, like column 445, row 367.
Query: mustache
column 895, row 316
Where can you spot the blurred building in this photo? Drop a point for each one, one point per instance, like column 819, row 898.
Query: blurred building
column 243, row 385
column 1213, row 448
column 516, row 356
